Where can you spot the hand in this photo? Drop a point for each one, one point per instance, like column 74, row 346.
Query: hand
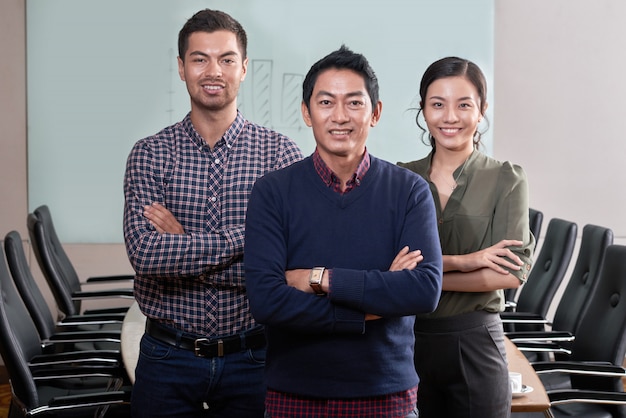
column 299, row 278
column 162, row 219
column 493, row 258
column 406, row 259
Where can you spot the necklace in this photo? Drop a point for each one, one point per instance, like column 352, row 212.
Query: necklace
column 455, row 179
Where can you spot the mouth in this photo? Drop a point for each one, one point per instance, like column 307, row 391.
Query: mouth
column 449, row 131
column 212, row 87
column 340, row 132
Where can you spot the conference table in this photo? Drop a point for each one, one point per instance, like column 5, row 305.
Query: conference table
column 535, row 401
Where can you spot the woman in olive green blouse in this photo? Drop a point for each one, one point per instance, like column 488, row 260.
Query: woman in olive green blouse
column 482, row 208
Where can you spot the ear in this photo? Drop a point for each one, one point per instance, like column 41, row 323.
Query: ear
column 305, row 114
column 245, row 69
column 377, row 111
column 181, row 69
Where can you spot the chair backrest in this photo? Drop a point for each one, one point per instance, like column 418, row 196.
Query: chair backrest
column 601, row 335
column 548, row 270
column 535, row 218
column 583, row 281
column 50, row 259
column 27, row 286
column 19, row 340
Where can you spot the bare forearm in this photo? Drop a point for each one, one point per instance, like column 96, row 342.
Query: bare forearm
column 482, row 280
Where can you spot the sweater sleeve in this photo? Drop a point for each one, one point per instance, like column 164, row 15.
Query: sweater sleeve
column 406, row 292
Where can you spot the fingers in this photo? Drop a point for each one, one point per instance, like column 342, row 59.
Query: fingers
column 162, row 219
column 406, row 259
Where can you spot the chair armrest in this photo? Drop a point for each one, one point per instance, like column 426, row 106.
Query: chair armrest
column 86, row 336
column 522, row 318
column 99, row 294
column 51, row 374
column 76, row 322
column 94, row 318
column 107, row 311
column 564, row 396
column 112, row 279
column 104, row 356
column 542, row 347
column 579, row 367
column 89, row 400
column 540, row 336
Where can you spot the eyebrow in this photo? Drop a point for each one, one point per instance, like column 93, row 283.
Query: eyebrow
column 225, row 54
column 357, row 93
column 460, row 99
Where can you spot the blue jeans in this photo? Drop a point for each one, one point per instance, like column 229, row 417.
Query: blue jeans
column 172, row 382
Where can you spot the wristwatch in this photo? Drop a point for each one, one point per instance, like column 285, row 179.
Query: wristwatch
column 315, row 280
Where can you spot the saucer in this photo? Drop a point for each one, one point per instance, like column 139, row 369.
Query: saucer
column 524, row 391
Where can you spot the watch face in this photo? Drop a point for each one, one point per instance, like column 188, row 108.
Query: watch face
column 315, row 280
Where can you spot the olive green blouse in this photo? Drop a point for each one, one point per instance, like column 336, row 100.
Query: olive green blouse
column 489, row 204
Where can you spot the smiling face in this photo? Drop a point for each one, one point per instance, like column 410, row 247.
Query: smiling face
column 213, row 69
column 452, row 110
column 341, row 114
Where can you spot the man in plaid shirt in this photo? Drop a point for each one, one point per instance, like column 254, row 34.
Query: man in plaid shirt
column 186, row 190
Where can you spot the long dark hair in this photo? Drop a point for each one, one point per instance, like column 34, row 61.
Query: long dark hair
column 453, row 67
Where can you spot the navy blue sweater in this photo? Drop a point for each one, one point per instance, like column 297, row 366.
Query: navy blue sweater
column 322, row 346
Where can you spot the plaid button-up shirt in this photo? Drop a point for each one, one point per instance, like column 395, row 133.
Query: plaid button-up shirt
column 195, row 281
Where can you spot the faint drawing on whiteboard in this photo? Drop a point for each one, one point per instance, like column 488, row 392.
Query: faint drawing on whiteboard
column 258, row 103
column 290, row 100
column 262, row 91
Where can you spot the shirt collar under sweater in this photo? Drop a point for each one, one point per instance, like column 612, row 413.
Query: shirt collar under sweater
column 331, row 180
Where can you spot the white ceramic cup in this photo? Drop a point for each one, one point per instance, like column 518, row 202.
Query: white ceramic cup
column 516, row 381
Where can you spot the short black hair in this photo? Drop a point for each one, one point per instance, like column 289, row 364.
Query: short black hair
column 208, row 20
column 343, row 58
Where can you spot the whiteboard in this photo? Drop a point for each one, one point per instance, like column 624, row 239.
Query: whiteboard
column 103, row 74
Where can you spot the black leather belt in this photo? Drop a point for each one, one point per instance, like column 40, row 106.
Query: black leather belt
column 208, row 347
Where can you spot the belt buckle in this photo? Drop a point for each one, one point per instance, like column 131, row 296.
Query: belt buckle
column 197, row 348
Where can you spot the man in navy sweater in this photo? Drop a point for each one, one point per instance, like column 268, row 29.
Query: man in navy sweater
column 341, row 251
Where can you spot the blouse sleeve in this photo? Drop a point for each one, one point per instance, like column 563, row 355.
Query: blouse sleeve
column 511, row 215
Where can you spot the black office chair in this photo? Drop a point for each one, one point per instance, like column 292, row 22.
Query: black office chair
column 78, row 331
column 59, row 272
column 546, row 275
column 60, row 384
column 535, row 220
column 576, row 296
column 594, row 369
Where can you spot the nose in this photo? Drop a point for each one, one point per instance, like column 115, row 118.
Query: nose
column 340, row 114
column 450, row 115
column 213, row 69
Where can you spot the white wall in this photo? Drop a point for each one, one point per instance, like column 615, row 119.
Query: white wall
column 560, row 103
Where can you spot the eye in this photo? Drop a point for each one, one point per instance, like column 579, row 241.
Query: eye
column 324, row 102
column 357, row 103
column 465, row 105
column 229, row 61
